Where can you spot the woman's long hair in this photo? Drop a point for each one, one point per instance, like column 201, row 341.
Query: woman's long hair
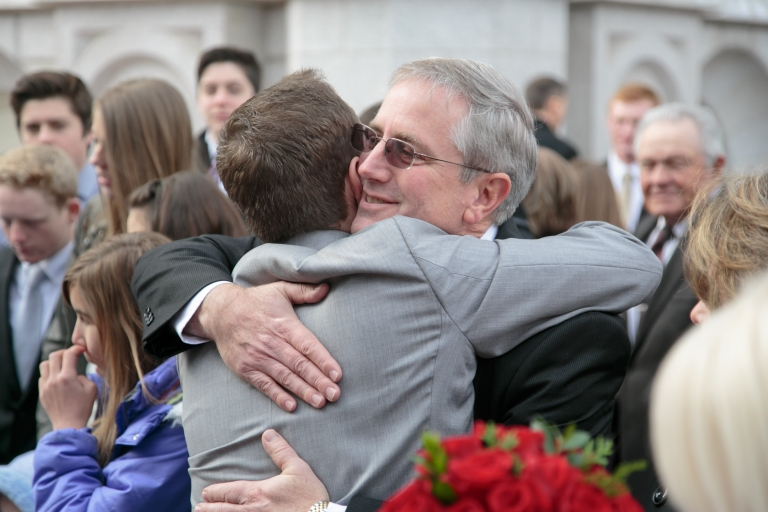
column 148, row 135
column 103, row 278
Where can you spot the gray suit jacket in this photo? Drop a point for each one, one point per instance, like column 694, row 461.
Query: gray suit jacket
column 408, row 309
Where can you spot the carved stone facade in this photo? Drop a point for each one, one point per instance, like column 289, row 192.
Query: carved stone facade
column 711, row 51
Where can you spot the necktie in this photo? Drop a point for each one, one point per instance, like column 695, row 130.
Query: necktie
column 665, row 236
column 28, row 328
column 626, row 195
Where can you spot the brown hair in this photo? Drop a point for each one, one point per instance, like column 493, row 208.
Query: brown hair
column 51, row 84
column 727, row 240
column 550, row 204
column 539, row 91
column 284, row 154
column 242, row 58
column 635, row 92
column 45, row 168
column 188, row 204
column 148, row 136
column 595, row 195
column 103, row 277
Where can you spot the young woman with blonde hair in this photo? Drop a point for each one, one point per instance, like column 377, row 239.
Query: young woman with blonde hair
column 134, row 456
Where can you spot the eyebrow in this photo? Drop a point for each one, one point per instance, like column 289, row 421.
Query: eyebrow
column 405, row 137
column 83, row 314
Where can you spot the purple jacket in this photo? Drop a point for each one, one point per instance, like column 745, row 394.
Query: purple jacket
column 148, row 470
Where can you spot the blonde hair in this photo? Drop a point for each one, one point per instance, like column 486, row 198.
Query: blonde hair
column 551, row 203
column 709, row 410
column 103, row 278
column 148, row 136
column 44, row 168
column 727, row 240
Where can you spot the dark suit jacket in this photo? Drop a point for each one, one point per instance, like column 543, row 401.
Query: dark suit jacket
column 17, row 409
column 547, row 139
column 201, row 157
column 665, row 320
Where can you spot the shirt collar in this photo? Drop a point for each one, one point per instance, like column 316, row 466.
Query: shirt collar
column 490, row 233
column 678, row 229
column 54, row 267
column 212, row 146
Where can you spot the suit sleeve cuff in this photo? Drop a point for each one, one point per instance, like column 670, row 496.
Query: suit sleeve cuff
column 335, row 507
column 183, row 317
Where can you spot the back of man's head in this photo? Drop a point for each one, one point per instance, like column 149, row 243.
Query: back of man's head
column 541, row 90
column 52, row 84
column 44, row 168
column 284, row 155
column 497, row 133
column 244, row 59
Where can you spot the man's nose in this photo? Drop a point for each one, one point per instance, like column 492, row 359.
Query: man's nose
column 16, row 232
column 46, row 135
column 374, row 166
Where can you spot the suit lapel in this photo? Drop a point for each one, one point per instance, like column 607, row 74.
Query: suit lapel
column 8, row 263
column 670, row 283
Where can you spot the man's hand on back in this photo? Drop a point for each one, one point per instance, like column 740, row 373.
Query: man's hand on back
column 295, row 489
column 261, row 340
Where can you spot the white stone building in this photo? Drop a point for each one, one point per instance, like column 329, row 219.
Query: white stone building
column 710, row 51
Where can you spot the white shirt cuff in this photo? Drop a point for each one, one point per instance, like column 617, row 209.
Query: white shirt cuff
column 183, row 317
column 334, row 507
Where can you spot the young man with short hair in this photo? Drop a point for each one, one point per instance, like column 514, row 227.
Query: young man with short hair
column 38, row 209
column 226, row 78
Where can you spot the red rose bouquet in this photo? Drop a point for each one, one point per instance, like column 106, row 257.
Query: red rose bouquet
column 516, row 469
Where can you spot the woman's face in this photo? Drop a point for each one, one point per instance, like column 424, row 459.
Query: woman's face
column 699, row 313
column 99, row 156
column 86, row 334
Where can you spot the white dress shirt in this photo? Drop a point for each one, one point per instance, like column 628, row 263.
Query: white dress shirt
column 53, row 270
column 617, row 169
column 634, row 314
column 212, row 152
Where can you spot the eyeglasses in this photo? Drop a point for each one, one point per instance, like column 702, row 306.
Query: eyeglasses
column 398, row 153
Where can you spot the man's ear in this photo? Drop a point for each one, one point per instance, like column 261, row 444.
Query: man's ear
column 492, row 190
column 72, row 207
column 354, row 179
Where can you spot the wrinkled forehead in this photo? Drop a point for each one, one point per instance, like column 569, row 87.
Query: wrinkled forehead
column 666, row 136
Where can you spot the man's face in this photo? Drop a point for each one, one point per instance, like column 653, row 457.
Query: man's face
column 429, row 190
column 34, row 226
column 623, row 118
column 672, row 167
column 52, row 121
column 222, row 88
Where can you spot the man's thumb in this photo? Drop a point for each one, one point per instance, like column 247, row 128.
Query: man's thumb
column 279, row 450
column 305, row 293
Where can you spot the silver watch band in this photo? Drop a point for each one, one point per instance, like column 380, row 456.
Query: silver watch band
column 320, row 506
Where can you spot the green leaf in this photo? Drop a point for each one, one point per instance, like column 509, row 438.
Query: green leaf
column 577, row 439
column 551, row 434
column 508, row 442
column 444, row 493
column 440, row 462
column 627, row 468
column 431, row 442
column 489, row 437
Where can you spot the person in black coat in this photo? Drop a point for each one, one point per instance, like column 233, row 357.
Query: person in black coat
column 547, row 99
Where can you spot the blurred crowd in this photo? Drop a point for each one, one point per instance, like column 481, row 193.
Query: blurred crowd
column 91, row 411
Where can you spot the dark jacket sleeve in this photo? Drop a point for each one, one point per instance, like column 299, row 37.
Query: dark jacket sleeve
column 168, row 277
column 569, row 373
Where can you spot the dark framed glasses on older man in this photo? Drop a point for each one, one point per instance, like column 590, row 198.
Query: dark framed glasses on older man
column 398, row 153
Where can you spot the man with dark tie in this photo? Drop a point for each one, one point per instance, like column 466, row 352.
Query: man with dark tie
column 679, row 148
column 38, row 209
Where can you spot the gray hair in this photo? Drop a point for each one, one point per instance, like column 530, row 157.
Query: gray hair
column 710, row 132
column 497, row 133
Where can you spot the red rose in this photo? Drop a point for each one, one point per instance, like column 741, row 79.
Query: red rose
column 514, row 495
column 459, row 447
column 479, row 471
column 583, row 497
column 478, row 430
column 529, row 442
column 466, row 505
column 626, row 503
column 414, row 498
column 551, row 472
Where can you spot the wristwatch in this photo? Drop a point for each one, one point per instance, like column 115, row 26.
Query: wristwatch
column 320, row 506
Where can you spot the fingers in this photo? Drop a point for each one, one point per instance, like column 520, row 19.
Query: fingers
column 69, row 360
column 88, row 385
column 269, row 387
column 219, row 507
column 284, row 457
column 273, row 371
column 230, row 492
column 54, row 361
column 303, row 293
column 44, row 370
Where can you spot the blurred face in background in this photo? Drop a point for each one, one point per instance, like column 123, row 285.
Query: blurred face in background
column 99, row 155
column 672, row 168
column 222, row 88
column 623, row 118
column 52, row 121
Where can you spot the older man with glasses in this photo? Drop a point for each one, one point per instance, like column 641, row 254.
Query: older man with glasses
column 442, row 122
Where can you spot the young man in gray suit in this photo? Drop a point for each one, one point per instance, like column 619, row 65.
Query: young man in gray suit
column 412, row 352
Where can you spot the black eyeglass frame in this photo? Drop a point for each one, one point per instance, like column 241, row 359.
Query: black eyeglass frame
column 390, row 146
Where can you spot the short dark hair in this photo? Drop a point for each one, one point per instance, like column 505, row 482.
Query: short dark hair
column 52, row 84
column 539, row 91
column 284, row 155
column 245, row 59
column 187, row 204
